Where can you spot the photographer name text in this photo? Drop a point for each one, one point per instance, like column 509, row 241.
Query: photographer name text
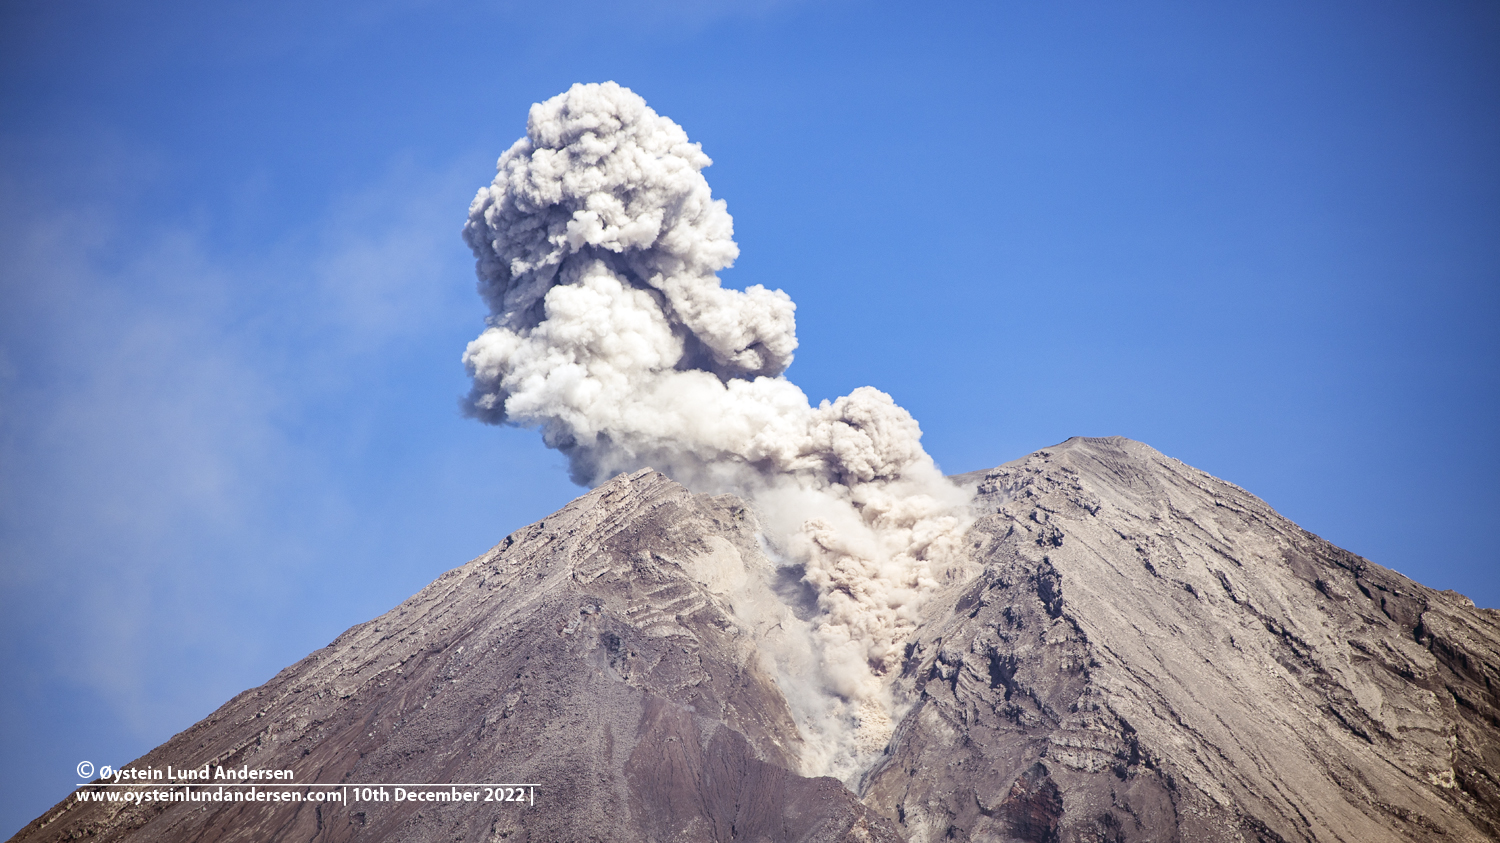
column 206, row 773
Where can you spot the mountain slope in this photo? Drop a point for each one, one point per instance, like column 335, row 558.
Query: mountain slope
column 1145, row 653
column 1153, row 653
column 585, row 654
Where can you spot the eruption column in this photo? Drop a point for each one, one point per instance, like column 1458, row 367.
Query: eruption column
column 597, row 248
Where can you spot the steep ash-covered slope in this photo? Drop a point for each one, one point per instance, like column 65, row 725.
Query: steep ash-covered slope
column 1145, row 653
column 593, row 653
column 1154, row 654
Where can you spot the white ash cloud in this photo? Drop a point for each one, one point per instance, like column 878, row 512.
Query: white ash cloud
column 597, row 249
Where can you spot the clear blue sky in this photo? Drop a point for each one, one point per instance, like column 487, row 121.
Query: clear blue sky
column 1263, row 237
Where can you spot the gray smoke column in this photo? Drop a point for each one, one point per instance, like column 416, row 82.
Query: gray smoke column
column 597, row 249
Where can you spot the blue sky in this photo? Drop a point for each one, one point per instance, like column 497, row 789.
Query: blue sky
column 1263, row 237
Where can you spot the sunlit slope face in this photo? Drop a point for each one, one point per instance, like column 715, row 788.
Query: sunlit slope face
column 1152, row 653
column 597, row 247
column 596, row 654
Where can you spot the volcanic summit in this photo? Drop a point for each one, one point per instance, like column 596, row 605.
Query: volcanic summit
column 1143, row 652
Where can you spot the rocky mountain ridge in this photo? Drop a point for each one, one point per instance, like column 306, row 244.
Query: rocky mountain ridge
column 1153, row 653
column 1145, row 653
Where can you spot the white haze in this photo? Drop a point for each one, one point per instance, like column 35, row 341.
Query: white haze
column 597, row 249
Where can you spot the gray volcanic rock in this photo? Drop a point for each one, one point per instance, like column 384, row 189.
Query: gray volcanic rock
column 1145, row 653
column 588, row 653
column 1154, row 654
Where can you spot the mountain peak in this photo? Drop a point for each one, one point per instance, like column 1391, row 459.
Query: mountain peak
column 1178, row 661
column 1145, row 652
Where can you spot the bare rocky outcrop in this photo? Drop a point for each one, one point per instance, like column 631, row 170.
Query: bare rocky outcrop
column 1154, row 654
column 1146, row 653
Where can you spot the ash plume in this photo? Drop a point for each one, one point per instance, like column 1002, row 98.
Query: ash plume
column 597, row 248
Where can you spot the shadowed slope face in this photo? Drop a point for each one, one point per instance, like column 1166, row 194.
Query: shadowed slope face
column 594, row 653
column 1152, row 653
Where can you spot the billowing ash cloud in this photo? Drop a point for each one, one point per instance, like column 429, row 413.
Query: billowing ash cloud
column 598, row 245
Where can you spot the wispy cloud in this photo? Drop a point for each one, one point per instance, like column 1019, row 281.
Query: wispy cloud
column 164, row 406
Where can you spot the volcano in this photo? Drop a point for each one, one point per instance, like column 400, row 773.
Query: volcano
column 1143, row 652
